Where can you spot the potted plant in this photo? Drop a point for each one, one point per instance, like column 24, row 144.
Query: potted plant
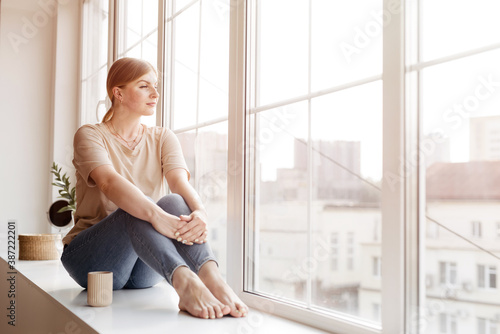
column 67, row 193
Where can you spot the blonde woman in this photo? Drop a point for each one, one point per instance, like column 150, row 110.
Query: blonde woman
column 124, row 221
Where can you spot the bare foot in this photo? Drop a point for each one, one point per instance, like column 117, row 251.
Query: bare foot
column 195, row 297
column 213, row 280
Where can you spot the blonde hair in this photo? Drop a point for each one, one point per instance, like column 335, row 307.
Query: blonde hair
column 122, row 72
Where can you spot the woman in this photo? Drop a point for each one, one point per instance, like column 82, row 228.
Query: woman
column 121, row 166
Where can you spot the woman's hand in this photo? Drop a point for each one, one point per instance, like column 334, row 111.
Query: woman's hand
column 167, row 224
column 194, row 230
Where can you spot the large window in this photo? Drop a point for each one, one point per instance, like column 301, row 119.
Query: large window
column 354, row 173
column 314, row 149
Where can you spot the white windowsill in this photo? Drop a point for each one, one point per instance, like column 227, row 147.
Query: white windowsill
column 152, row 310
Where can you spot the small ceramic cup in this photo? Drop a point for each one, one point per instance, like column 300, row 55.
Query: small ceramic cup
column 100, row 288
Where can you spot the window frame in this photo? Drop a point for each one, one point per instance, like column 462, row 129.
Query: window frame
column 477, row 230
column 484, row 277
column 396, row 210
column 399, row 213
column 448, row 273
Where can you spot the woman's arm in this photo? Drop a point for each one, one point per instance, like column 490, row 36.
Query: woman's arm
column 196, row 229
column 130, row 199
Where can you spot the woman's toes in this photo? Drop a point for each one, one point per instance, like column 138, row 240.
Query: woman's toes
column 226, row 310
column 218, row 312
column 205, row 313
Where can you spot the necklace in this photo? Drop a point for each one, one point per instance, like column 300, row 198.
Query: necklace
column 130, row 143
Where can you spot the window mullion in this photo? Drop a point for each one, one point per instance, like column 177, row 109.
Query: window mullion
column 236, row 143
column 160, row 63
column 393, row 183
column 310, row 169
column 171, row 79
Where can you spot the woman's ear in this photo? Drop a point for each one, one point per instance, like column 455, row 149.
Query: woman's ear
column 117, row 93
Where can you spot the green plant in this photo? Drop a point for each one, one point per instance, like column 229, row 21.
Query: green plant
column 65, row 191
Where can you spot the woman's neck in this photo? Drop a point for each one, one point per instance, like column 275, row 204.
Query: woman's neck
column 125, row 128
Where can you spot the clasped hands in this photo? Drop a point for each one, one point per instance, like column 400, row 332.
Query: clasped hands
column 188, row 230
column 192, row 229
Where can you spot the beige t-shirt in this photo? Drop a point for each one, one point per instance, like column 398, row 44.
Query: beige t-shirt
column 157, row 153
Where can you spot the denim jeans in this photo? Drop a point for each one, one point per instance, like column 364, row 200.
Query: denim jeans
column 133, row 250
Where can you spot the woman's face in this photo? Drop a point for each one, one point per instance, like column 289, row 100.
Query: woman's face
column 140, row 96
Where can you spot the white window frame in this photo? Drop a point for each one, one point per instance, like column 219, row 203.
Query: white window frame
column 450, row 323
column 376, row 266
column 476, row 226
column 350, row 251
column 450, row 275
column 489, row 326
column 334, row 244
column 395, row 210
column 486, row 272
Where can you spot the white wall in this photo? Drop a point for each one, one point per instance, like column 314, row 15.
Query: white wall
column 33, row 37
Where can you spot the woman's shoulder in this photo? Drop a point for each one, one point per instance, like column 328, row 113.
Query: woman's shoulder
column 89, row 130
column 91, row 127
column 158, row 131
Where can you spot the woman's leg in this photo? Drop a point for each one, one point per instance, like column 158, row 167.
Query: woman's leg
column 106, row 246
column 194, row 295
column 126, row 245
column 142, row 276
column 202, row 262
column 195, row 255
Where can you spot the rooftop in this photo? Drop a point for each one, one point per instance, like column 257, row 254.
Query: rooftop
column 474, row 180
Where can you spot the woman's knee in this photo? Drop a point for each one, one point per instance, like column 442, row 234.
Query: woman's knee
column 174, row 204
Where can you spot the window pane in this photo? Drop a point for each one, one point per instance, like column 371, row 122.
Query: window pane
column 471, row 24
column 313, row 166
column 493, row 277
column 282, row 50
column 460, row 106
column 281, row 263
column 94, row 60
column 196, row 91
column 480, row 276
column 346, row 169
column 138, row 34
column 181, row 4
column 206, row 156
column 346, row 41
column 185, row 71
column 214, row 60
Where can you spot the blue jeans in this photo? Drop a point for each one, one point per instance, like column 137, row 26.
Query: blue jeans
column 133, row 250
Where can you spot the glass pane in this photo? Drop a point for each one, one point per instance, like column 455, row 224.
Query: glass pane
column 346, row 41
column 214, row 61
column 452, row 26
column 181, row 4
column 314, row 166
column 346, row 172
column 460, row 145
column 283, row 55
column 94, row 61
column 185, row 76
column 138, row 34
column 281, row 257
column 206, row 156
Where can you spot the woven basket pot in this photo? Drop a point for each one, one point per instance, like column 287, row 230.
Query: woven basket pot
column 38, row 246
